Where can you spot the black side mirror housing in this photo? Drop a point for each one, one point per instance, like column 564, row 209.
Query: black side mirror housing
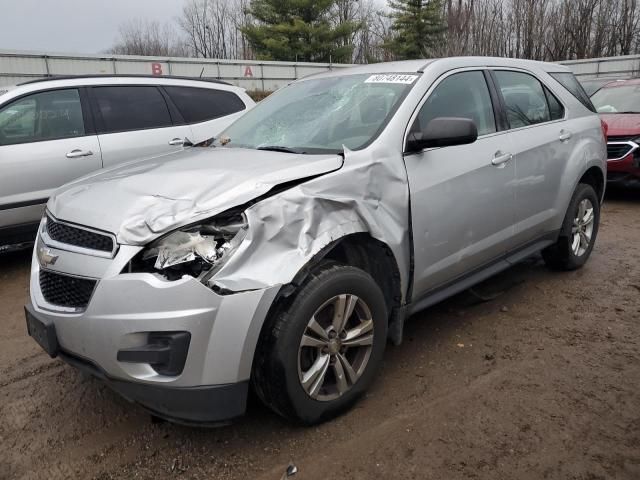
column 443, row 132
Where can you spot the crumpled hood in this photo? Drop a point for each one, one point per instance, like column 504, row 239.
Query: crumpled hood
column 622, row 124
column 141, row 200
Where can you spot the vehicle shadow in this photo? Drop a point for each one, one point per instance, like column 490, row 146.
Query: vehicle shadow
column 16, row 258
column 630, row 193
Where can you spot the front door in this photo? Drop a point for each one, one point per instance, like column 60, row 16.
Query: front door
column 462, row 197
column 44, row 143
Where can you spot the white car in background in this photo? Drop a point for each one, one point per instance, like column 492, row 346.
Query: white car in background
column 55, row 130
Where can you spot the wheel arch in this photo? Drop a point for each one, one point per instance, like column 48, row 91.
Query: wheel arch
column 595, row 177
column 363, row 251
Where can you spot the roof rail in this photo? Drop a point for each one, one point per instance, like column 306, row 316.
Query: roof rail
column 121, row 75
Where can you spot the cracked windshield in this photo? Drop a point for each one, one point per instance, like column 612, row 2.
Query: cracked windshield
column 321, row 116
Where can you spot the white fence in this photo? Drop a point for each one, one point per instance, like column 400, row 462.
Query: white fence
column 16, row 67
column 612, row 67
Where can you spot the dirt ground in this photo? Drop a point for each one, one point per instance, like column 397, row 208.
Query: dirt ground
column 542, row 382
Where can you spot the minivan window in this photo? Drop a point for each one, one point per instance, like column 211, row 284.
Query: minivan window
column 131, row 108
column 463, row 95
column 323, row 114
column 202, row 104
column 570, row 82
column 42, row 116
column 524, row 98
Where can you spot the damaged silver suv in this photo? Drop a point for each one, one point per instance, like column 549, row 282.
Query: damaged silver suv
column 285, row 255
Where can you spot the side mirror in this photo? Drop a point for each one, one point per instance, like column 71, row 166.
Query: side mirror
column 443, row 132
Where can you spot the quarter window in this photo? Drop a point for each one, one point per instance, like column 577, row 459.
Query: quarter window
column 131, row 108
column 42, row 116
column 524, row 99
column 556, row 110
column 202, row 104
column 569, row 81
column 463, row 95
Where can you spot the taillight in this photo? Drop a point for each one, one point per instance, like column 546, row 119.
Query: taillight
column 605, row 129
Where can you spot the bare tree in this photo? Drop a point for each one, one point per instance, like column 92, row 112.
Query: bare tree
column 212, row 28
column 542, row 29
column 149, row 38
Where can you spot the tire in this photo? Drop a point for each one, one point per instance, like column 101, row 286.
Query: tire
column 282, row 362
column 563, row 255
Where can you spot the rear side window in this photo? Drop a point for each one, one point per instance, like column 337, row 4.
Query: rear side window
column 131, row 108
column 556, row 110
column 524, row 98
column 202, row 104
column 463, row 95
column 42, row 116
column 569, row 81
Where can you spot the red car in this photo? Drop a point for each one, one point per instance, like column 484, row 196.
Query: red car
column 619, row 106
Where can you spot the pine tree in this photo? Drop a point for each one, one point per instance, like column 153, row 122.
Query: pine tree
column 290, row 30
column 417, row 27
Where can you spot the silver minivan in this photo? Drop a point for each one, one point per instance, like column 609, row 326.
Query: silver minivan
column 283, row 257
column 57, row 129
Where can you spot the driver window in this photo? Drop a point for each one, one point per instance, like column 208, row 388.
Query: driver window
column 42, row 116
column 463, row 95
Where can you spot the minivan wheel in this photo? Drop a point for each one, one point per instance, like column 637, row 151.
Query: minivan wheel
column 321, row 350
column 578, row 233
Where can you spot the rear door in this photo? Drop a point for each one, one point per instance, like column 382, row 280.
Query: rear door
column 46, row 139
column 207, row 110
column 462, row 197
column 134, row 122
column 542, row 142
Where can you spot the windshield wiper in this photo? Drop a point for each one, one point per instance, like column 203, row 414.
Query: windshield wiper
column 278, row 148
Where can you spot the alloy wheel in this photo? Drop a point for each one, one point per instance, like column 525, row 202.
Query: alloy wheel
column 582, row 230
column 335, row 347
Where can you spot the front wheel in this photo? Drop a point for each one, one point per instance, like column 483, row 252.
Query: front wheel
column 578, row 233
column 319, row 354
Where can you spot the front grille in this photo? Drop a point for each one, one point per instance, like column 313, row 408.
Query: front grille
column 79, row 237
column 66, row 291
column 618, row 150
column 621, row 138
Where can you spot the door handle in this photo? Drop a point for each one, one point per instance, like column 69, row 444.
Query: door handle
column 501, row 158
column 177, row 141
column 564, row 135
column 77, row 153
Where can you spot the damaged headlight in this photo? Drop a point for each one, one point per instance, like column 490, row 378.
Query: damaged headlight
column 199, row 250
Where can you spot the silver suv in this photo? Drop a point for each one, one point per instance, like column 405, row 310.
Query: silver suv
column 285, row 255
column 55, row 130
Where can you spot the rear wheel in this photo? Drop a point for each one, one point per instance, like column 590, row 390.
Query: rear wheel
column 319, row 354
column 578, row 233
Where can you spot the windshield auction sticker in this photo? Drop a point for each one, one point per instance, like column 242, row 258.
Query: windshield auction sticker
column 392, row 78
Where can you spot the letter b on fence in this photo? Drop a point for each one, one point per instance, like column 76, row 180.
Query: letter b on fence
column 156, row 69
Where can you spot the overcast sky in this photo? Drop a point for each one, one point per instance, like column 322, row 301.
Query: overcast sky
column 74, row 26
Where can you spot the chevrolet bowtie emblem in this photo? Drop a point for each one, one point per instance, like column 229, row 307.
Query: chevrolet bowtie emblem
column 45, row 257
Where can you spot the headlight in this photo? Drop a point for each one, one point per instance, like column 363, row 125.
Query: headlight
column 199, row 251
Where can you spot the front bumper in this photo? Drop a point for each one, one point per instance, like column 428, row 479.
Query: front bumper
column 125, row 308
